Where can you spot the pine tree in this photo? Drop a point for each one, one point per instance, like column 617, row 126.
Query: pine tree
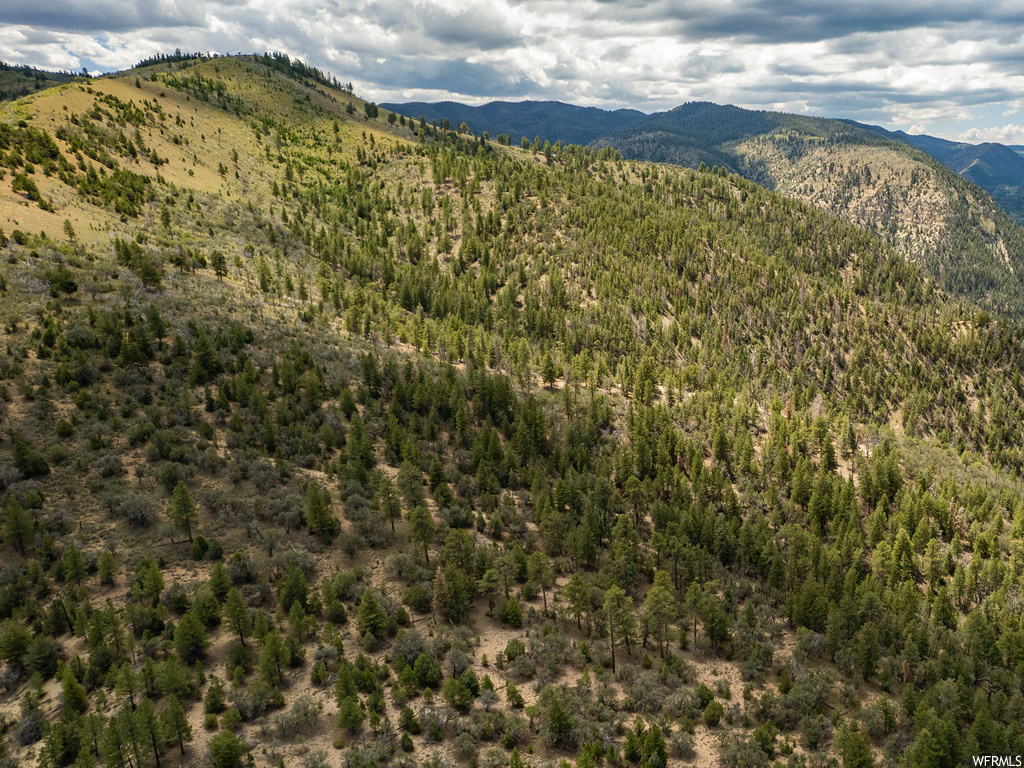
column 148, row 730
column 853, row 747
column 350, row 714
column 539, row 570
column 319, row 518
column 17, row 525
column 549, row 370
column 441, row 605
column 226, row 750
column 421, row 528
column 618, row 611
column 107, row 567
column 273, row 659
column 660, row 608
column 73, row 693
column 387, row 501
column 190, row 639
column 174, row 723
column 576, row 594
column 371, row 617
column 219, row 264
column 236, row 612
column 183, row 509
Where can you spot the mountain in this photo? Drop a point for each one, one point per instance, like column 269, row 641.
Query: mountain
column 996, row 168
column 329, row 438
column 550, row 120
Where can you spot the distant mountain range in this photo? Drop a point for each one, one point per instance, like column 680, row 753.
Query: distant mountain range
column 552, row 120
column 941, row 203
column 693, row 133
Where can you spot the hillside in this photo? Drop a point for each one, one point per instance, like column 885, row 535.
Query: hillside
column 864, row 174
column 996, row 168
column 18, row 81
column 949, row 226
column 332, row 438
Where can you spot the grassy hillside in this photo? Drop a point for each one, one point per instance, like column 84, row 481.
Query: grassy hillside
column 335, row 437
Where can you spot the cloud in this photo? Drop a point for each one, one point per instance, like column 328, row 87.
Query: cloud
column 100, row 15
column 1003, row 134
column 935, row 63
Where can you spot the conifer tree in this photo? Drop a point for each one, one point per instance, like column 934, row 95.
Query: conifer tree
column 174, row 723
column 660, row 608
column 190, row 639
column 236, row 612
column 618, row 611
column 183, row 509
column 577, row 594
column 421, row 528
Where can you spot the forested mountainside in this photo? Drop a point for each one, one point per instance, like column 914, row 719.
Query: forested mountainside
column 331, row 437
column 925, row 210
column 919, row 203
column 996, row 168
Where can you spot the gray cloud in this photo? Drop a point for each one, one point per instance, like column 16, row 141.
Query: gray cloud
column 101, row 15
column 938, row 63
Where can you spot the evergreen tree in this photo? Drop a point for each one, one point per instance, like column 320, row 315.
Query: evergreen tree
column 549, row 370
column 148, row 730
column 190, row 639
column 17, row 525
column 659, row 608
column 319, row 518
column 618, row 611
column 174, row 723
column 236, row 612
column 73, row 693
column 576, row 594
column 387, row 501
column 273, row 659
column 421, row 528
column 183, row 509
column 441, row 605
column 226, row 750
column 371, row 618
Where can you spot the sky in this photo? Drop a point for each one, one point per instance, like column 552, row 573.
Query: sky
column 950, row 69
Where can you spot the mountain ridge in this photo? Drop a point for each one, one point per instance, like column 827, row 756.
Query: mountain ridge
column 551, row 120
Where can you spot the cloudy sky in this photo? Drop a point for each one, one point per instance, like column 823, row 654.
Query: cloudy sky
column 951, row 69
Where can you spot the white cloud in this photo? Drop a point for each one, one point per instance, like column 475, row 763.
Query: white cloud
column 1003, row 134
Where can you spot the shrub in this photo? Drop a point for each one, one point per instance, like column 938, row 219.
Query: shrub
column 302, row 719
column 713, row 714
column 428, row 670
column 226, row 750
